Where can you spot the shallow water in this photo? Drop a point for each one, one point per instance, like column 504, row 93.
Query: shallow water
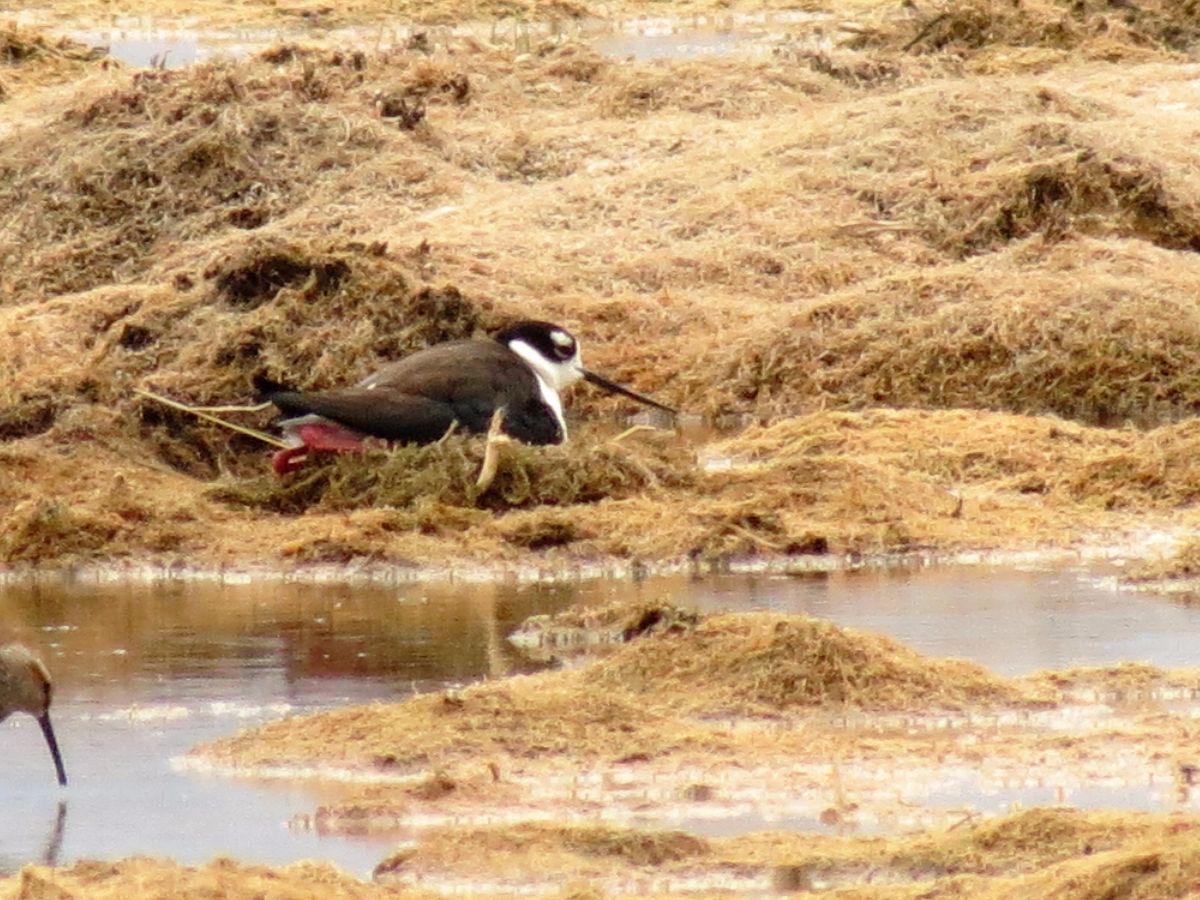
column 143, row 42
column 146, row 672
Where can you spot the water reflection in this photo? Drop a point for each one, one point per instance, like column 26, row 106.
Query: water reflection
column 100, row 639
column 154, row 43
column 145, row 672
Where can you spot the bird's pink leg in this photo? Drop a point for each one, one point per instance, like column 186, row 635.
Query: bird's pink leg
column 320, row 437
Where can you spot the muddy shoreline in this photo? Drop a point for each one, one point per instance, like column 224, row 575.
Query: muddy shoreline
column 1146, row 547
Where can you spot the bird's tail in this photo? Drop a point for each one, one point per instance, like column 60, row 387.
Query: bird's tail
column 265, row 388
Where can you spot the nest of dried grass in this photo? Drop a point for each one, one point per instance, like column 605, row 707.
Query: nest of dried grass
column 317, row 314
column 445, row 474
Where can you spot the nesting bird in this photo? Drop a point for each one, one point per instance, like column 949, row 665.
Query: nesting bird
column 419, row 398
column 25, row 687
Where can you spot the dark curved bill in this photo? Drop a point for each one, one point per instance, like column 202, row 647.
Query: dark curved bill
column 48, row 731
column 613, row 388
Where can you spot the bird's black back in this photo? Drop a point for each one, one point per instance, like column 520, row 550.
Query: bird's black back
column 416, row 399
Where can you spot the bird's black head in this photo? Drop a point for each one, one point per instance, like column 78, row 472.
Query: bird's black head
column 552, row 352
column 553, row 342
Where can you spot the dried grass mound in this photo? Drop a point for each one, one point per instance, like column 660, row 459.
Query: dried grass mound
column 1182, row 564
column 1127, row 682
column 53, row 529
column 445, row 475
column 26, row 47
column 556, row 713
column 726, row 90
column 1176, row 576
column 766, row 663
column 226, row 878
column 1043, row 852
column 1057, row 178
column 1069, row 464
column 315, row 313
column 551, row 849
column 170, row 156
column 1154, row 469
column 1109, row 31
column 1007, row 331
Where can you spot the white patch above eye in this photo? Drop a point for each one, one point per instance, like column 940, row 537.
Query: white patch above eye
column 557, row 375
column 561, row 338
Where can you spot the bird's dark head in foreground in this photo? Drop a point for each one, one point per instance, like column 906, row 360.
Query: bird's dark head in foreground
column 25, row 687
column 553, row 353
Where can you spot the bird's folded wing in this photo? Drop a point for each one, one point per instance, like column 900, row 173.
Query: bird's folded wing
column 392, row 416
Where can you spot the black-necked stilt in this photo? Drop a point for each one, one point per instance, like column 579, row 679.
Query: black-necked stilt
column 418, row 399
column 25, row 687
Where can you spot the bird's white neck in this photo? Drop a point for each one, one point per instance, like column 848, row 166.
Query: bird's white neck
column 552, row 377
column 558, row 375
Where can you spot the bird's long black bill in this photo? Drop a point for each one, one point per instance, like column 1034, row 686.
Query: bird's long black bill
column 48, row 731
column 613, row 388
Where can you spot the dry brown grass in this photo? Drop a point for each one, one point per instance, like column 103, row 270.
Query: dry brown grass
column 1043, row 852
column 1176, row 576
column 1128, row 682
column 599, row 629
column 983, row 214
column 1040, row 852
column 139, row 166
column 445, row 475
column 784, row 236
column 637, row 702
column 988, row 28
column 1008, row 331
column 578, row 853
column 144, row 877
column 754, row 664
column 544, row 715
column 30, row 58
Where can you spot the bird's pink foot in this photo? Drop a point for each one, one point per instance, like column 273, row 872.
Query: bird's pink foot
column 289, row 460
column 318, row 437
